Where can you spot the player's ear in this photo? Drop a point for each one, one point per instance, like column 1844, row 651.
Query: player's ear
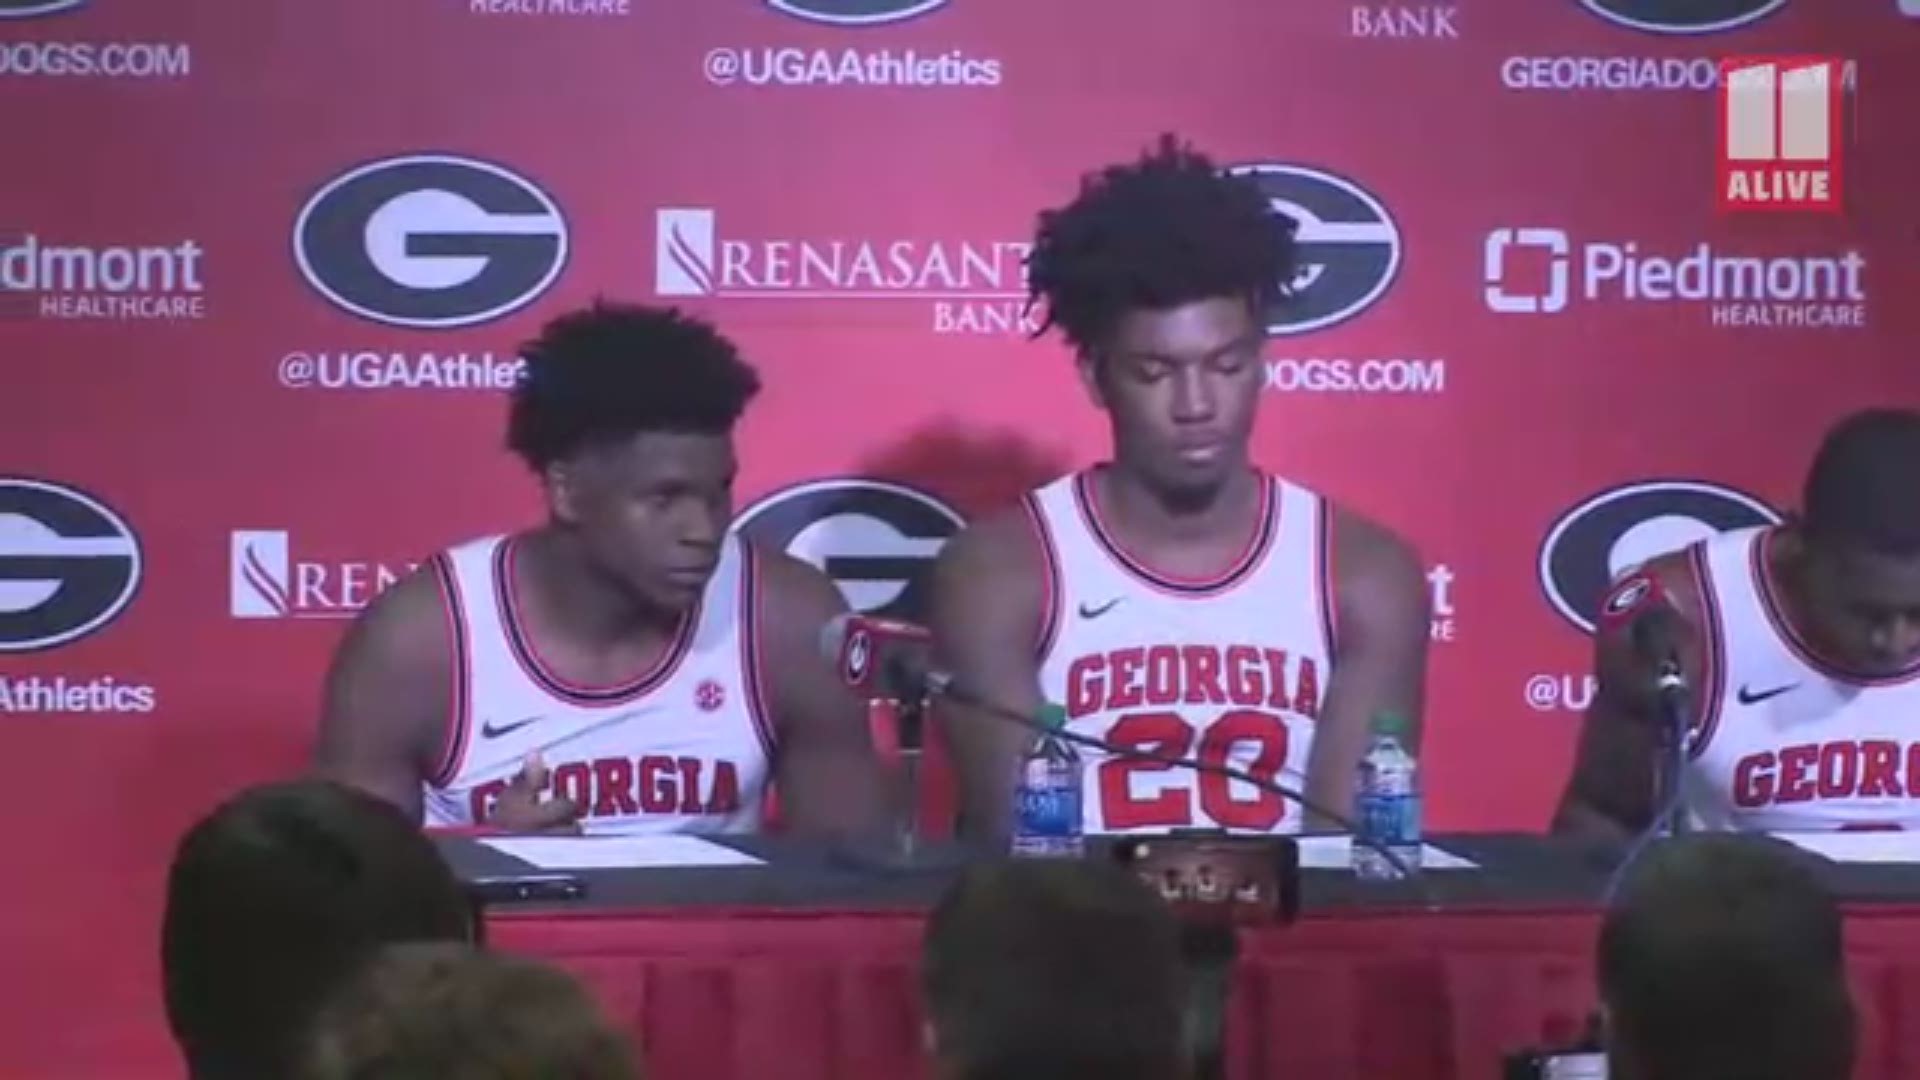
column 562, row 481
column 1089, row 365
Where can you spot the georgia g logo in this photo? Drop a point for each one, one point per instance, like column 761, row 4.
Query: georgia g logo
column 1348, row 245
column 1609, row 533
column 430, row 241
column 855, row 12
column 69, row 564
column 876, row 540
column 27, row 9
column 1695, row 17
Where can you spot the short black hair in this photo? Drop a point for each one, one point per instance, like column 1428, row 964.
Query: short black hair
column 272, row 899
column 1057, row 969
column 444, row 1010
column 1864, row 487
column 611, row 371
column 1166, row 230
column 1721, row 959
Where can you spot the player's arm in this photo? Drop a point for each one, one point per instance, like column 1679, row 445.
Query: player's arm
column 384, row 712
column 828, row 775
column 987, row 603
column 1610, row 795
column 1381, row 628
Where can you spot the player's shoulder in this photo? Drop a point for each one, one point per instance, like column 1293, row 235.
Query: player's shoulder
column 997, row 546
column 1368, row 554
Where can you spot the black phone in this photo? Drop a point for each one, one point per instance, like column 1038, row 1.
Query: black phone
column 526, row 888
column 1585, row 1064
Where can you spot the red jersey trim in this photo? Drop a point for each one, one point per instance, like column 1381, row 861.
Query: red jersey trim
column 522, row 646
column 1761, row 557
column 453, row 742
column 1323, row 549
column 752, row 670
column 1266, row 527
column 1713, row 657
column 1050, row 577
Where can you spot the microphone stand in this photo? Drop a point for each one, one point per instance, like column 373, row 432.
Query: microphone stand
column 1672, row 687
column 1670, row 813
column 903, row 851
column 1211, row 949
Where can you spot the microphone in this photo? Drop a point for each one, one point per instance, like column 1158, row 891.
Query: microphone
column 904, row 670
column 869, row 654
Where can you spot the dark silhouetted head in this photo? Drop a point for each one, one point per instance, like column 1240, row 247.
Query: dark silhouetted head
column 427, row 1011
column 1721, row 960
column 1045, row 970
column 272, row 899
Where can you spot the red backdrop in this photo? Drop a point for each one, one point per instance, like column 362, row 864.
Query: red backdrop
column 264, row 267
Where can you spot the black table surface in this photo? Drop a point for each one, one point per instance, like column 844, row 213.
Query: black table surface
column 1512, row 871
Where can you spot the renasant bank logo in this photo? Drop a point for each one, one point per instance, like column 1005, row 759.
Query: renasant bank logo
column 964, row 286
column 266, row 580
column 1545, row 271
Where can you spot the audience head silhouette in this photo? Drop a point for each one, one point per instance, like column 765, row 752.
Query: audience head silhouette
column 272, row 899
column 437, row 1010
column 1721, row 960
column 1054, row 970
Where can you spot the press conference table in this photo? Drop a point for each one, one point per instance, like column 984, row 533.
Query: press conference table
column 804, row 969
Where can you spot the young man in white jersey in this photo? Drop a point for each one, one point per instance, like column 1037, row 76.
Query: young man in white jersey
column 628, row 666
column 1801, row 647
column 1176, row 599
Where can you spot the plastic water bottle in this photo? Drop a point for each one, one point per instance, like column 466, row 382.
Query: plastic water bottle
column 1046, row 811
column 1386, row 802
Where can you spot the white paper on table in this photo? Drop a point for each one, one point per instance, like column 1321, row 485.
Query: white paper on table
column 1858, row 847
column 617, row 852
column 1336, row 853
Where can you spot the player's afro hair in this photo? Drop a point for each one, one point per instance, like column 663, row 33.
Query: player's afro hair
column 612, row 371
column 1864, row 487
column 1167, row 230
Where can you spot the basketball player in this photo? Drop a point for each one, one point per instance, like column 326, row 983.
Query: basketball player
column 1801, row 647
column 1176, row 599
column 628, row 666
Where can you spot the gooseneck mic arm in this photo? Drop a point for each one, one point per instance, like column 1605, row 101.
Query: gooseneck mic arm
column 936, row 685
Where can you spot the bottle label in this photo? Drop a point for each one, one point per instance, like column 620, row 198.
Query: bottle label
column 1050, row 807
column 1390, row 819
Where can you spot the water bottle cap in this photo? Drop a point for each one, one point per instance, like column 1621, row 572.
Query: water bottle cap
column 1052, row 717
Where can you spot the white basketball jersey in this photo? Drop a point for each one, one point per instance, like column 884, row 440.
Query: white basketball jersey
column 682, row 748
column 1230, row 670
column 1785, row 742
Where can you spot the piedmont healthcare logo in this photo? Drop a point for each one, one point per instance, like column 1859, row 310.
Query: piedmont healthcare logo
column 1545, row 271
column 1779, row 125
column 577, row 8
column 52, row 278
column 85, row 59
column 267, row 581
column 964, row 286
column 786, row 65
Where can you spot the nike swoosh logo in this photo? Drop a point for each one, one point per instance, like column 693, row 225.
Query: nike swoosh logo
column 1088, row 611
column 1749, row 697
column 489, row 730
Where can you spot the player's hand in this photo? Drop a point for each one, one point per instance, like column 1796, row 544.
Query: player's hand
column 520, row 808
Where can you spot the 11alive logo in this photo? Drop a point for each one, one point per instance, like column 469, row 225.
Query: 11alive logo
column 1780, row 126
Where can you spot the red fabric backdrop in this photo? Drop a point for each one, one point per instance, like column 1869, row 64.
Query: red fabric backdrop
column 264, row 266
